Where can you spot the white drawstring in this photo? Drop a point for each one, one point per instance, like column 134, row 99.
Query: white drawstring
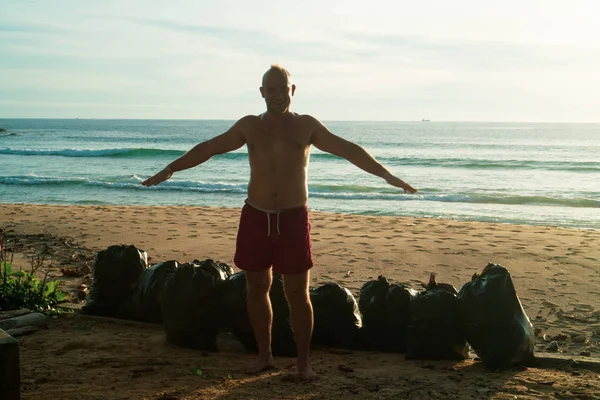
column 268, row 212
column 269, row 224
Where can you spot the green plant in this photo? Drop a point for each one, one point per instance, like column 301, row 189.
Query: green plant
column 201, row 373
column 23, row 289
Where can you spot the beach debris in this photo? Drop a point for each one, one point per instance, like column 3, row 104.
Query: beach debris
column 144, row 303
column 337, row 320
column 31, row 319
column 233, row 298
column 190, row 304
column 116, row 275
column 25, row 330
column 76, row 272
column 579, row 339
column 561, row 337
column 385, row 309
column 581, row 318
column 544, row 382
column 538, row 331
column 494, row 321
column 82, row 291
column 549, row 304
column 552, row 346
column 434, row 329
column 14, row 313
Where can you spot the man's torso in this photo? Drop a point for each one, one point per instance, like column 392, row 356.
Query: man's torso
column 279, row 150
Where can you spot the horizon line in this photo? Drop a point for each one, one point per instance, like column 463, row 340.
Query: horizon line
column 425, row 121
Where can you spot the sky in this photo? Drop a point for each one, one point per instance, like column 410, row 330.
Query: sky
column 460, row 60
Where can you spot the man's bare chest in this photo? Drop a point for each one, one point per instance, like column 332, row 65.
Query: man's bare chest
column 281, row 140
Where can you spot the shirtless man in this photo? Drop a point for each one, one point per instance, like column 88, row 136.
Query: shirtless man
column 274, row 225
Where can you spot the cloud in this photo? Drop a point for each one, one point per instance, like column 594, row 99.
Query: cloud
column 283, row 45
column 30, row 29
column 488, row 55
column 206, row 59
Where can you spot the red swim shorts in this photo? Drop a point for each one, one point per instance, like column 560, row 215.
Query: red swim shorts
column 278, row 239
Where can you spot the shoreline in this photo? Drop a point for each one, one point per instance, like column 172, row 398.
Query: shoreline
column 383, row 215
column 547, row 263
column 346, row 247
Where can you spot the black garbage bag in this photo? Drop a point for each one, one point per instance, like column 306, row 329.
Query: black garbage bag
column 434, row 330
column 144, row 304
column 337, row 320
column 385, row 310
column 236, row 315
column 191, row 306
column 219, row 270
column 116, row 275
column 494, row 321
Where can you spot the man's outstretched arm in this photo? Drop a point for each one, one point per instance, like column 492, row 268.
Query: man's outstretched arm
column 231, row 140
column 326, row 141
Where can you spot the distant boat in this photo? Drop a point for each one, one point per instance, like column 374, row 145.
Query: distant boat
column 424, row 120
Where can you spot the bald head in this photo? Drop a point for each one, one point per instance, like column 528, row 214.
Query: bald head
column 279, row 70
column 277, row 90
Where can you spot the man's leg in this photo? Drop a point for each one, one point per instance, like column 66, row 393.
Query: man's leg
column 301, row 316
column 260, row 312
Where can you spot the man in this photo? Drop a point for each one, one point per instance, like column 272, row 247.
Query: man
column 274, row 226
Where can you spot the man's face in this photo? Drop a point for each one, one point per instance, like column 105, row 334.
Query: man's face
column 277, row 92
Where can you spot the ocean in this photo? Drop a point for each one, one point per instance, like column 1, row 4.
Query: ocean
column 525, row 173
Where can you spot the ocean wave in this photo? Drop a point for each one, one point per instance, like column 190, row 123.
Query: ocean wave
column 116, row 152
column 462, row 198
column 459, row 163
column 346, row 192
column 477, row 164
column 121, row 183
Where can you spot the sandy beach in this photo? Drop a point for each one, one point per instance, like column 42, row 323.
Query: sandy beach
column 556, row 272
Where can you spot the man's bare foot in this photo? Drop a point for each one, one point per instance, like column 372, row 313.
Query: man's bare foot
column 260, row 366
column 307, row 374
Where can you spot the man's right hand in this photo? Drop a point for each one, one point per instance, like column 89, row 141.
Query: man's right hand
column 158, row 178
column 395, row 181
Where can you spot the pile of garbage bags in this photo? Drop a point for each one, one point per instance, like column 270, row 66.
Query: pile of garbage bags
column 493, row 320
column 197, row 300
